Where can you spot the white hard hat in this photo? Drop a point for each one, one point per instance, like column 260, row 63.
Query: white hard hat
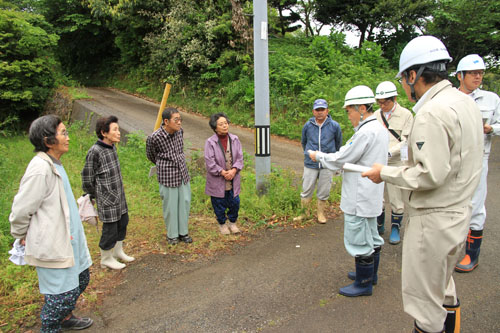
column 422, row 50
column 386, row 89
column 471, row 62
column 359, row 95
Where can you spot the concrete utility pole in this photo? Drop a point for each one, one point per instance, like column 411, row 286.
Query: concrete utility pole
column 261, row 91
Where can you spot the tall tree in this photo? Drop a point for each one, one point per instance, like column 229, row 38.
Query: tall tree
column 371, row 17
column 86, row 46
column 306, row 10
column 351, row 15
column 131, row 21
column 285, row 21
column 468, row 27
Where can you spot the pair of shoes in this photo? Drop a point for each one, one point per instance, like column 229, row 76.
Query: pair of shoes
column 172, row 241
column 76, row 323
column 234, row 229
column 224, row 230
column 185, row 239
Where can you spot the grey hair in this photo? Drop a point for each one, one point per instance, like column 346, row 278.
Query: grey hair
column 214, row 117
column 43, row 131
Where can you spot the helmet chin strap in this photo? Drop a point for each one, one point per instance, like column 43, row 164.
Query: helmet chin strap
column 361, row 114
column 412, row 88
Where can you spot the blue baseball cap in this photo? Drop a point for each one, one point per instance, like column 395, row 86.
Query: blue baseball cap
column 320, row 103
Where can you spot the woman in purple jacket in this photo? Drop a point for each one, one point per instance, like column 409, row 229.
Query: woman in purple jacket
column 224, row 161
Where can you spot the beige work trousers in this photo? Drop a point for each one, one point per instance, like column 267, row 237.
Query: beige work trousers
column 395, row 197
column 433, row 243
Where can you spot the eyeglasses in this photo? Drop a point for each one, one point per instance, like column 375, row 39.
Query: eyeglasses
column 475, row 73
column 320, row 109
column 177, row 120
column 383, row 101
column 63, row 133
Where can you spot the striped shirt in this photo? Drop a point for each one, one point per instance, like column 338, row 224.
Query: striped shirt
column 166, row 151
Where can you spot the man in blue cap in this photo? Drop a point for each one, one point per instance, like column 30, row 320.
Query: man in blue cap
column 320, row 133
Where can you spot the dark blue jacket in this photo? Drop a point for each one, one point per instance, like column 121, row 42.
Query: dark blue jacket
column 330, row 135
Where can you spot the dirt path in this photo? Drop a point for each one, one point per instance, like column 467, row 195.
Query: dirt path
column 136, row 114
column 287, row 281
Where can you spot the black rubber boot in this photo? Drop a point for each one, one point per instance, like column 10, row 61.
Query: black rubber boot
column 376, row 261
column 452, row 323
column 363, row 285
column 472, row 249
column 381, row 222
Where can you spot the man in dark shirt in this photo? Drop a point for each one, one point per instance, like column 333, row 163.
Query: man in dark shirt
column 165, row 149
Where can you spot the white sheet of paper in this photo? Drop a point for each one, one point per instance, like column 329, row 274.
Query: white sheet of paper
column 355, row 167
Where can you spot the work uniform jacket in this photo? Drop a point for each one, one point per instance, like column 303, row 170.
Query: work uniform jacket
column 400, row 120
column 369, row 144
column 445, row 149
column 489, row 105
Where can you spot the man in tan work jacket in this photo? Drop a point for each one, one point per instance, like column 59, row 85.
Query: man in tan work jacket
column 445, row 149
column 397, row 120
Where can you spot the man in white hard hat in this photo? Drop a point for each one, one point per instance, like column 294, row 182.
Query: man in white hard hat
column 361, row 200
column 445, row 155
column 470, row 71
column 321, row 133
column 398, row 121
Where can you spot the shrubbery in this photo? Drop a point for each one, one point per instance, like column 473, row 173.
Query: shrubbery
column 27, row 64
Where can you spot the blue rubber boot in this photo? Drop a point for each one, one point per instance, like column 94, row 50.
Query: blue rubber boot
column 380, row 223
column 376, row 261
column 395, row 226
column 363, row 285
column 472, row 249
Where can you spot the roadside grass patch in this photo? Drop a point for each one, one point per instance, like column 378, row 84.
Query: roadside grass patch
column 20, row 300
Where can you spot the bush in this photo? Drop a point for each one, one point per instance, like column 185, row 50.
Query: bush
column 27, row 64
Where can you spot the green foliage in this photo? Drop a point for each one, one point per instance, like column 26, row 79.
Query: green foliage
column 467, row 27
column 86, row 47
column 26, row 64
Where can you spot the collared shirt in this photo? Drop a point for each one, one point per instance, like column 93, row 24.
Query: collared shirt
column 369, row 144
column 489, row 105
column 444, row 149
column 400, row 121
column 167, row 152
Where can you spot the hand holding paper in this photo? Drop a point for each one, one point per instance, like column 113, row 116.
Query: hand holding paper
column 355, row 167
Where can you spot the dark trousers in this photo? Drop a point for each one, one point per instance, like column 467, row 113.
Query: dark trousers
column 113, row 232
column 57, row 307
column 229, row 203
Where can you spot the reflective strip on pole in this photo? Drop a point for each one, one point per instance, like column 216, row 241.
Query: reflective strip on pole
column 262, row 141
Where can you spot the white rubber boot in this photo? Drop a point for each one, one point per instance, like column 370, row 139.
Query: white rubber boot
column 107, row 260
column 119, row 254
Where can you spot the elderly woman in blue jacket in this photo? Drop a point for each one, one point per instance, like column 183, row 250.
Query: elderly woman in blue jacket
column 224, row 161
column 45, row 218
